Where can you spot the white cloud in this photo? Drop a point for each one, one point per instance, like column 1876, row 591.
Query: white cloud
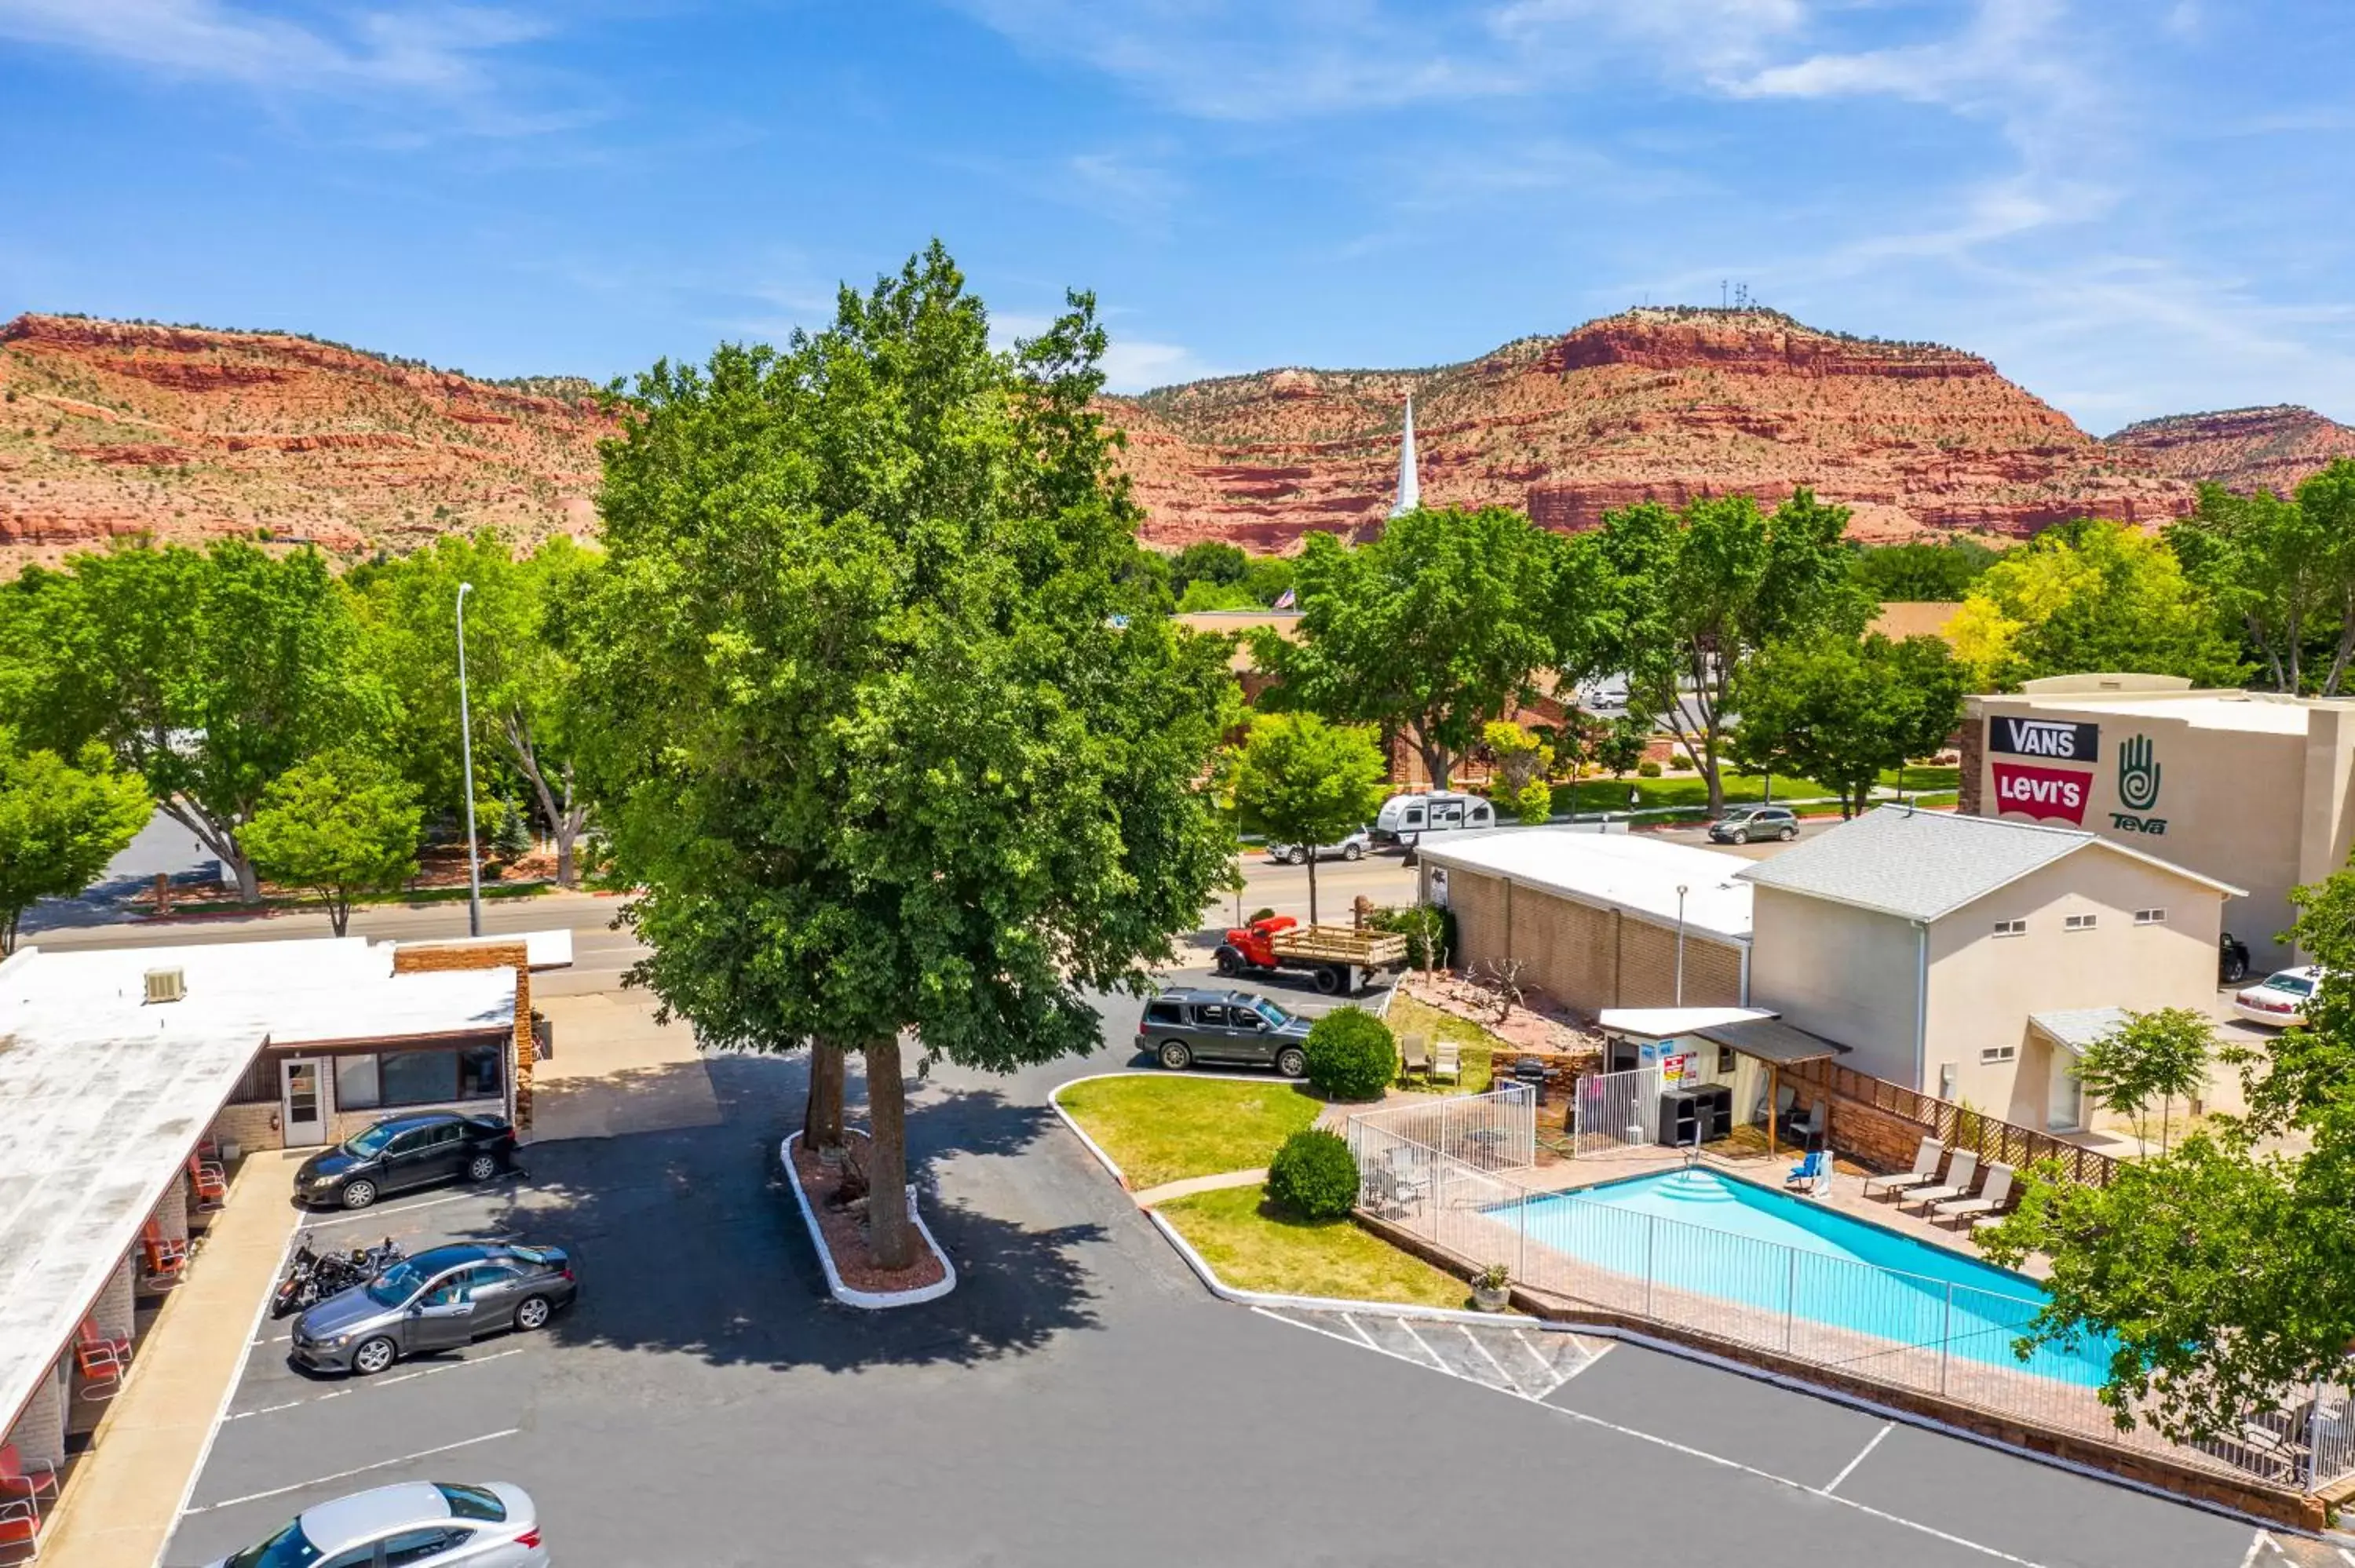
column 445, row 54
column 1130, row 364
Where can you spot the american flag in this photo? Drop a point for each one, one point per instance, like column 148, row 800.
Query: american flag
column 1284, row 600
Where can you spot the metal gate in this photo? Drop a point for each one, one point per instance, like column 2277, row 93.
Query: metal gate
column 1611, row 1111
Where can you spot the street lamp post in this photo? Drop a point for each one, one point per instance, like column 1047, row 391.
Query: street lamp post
column 466, row 748
column 1682, row 889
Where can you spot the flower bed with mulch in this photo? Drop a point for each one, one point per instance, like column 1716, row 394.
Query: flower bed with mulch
column 845, row 1232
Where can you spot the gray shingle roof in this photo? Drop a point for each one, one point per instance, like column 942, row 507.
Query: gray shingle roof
column 2078, row 1027
column 1915, row 864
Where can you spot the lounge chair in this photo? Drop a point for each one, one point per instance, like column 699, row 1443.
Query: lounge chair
column 1924, row 1172
column 1408, row 1181
column 1805, row 1172
column 1994, row 1193
column 1959, row 1173
column 31, row 1480
column 1415, row 1054
column 1447, row 1061
column 166, row 1257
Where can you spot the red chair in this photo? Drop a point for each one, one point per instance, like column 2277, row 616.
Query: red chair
column 30, row 1480
column 166, row 1257
column 20, row 1525
column 210, row 1181
column 101, row 1359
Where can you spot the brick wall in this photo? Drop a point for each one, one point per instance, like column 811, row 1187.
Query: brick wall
column 1584, row 957
column 1973, row 742
column 413, row 958
column 250, row 1126
column 40, row 1431
column 172, row 1214
column 1866, row 1134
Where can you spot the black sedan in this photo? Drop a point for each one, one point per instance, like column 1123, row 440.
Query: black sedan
column 442, row 1299
column 404, row 1151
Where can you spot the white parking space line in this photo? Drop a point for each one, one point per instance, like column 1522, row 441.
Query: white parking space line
column 1850, row 1468
column 1436, row 1358
column 376, row 1382
column 1363, row 1338
column 1486, row 1355
column 1825, row 1493
column 355, row 1470
column 377, row 1211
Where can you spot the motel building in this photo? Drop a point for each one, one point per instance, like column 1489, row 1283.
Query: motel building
column 1966, row 957
column 137, row 1078
column 2253, row 787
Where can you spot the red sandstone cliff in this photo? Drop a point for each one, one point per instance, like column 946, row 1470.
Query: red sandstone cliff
column 113, row 428
column 2240, row 448
column 1665, row 404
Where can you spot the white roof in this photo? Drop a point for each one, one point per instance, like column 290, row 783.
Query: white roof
column 1924, row 865
column 2263, row 712
column 542, row 950
column 107, row 1094
column 1667, row 1023
column 1623, row 871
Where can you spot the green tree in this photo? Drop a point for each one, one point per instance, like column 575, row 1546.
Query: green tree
column 1842, row 710
column 1208, row 561
column 1524, row 763
column 1303, row 781
column 1698, row 594
column 2159, row 1056
column 208, row 673
column 60, row 822
column 875, row 725
column 1206, row 594
column 1435, row 628
column 1270, row 579
column 2268, row 564
column 341, row 825
column 1918, row 573
column 2094, row 596
column 1622, row 746
column 2221, row 1273
column 520, row 672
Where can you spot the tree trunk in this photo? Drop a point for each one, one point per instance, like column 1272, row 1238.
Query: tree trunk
column 1311, row 851
column 1436, row 759
column 889, row 1238
column 248, row 881
column 822, row 1118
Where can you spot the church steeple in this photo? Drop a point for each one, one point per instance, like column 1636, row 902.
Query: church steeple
column 1410, row 488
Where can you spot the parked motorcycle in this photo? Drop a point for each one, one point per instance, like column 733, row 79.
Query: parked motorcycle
column 311, row 1276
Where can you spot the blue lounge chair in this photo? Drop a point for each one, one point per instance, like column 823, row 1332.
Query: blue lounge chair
column 1808, row 1170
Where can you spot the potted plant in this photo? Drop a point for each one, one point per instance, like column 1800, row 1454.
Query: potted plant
column 1490, row 1288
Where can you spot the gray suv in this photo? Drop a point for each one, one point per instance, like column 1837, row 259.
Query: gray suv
column 1744, row 823
column 1183, row 1027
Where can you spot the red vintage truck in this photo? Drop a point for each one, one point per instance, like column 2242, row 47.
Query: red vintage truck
column 1339, row 960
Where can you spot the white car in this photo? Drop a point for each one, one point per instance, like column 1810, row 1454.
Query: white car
column 2279, row 998
column 1353, row 847
column 418, row 1524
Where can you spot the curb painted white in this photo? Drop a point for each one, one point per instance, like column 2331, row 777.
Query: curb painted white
column 869, row 1300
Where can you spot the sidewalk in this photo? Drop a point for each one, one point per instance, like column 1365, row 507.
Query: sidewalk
column 124, row 1497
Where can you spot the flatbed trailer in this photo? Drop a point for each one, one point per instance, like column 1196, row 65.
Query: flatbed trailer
column 1339, row 960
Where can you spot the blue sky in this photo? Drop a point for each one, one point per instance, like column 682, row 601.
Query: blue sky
column 2135, row 207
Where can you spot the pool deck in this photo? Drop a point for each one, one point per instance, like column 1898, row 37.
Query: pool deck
column 1847, row 1194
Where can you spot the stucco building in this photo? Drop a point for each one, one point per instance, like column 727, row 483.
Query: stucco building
column 2252, row 788
column 1971, row 957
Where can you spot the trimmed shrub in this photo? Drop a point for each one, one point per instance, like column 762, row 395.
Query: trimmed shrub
column 1682, row 762
column 1647, row 768
column 1430, row 932
column 1351, row 1056
column 1314, row 1175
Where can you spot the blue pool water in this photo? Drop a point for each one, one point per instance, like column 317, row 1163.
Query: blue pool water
column 1700, row 1233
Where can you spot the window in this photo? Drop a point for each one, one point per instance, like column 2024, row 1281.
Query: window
column 355, row 1087
column 2012, row 927
column 418, row 1077
column 471, row 1502
column 444, row 1135
column 1166, row 1013
column 1415, row 816
column 2150, row 916
column 1725, row 1059
column 2077, row 922
column 1210, row 1017
column 478, row 1073
column 422, row 1545
column 1993, row 1053
column 1274, row 1016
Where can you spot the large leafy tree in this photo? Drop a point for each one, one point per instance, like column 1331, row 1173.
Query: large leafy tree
column 209, row 673
column 1698, row 594
column 339, row 824
column 520, row 673
column 1431, row 630
column 2284, row 570
column 1842, row 710
column 2091, row 596
column 1304, row 781
column 2222, row 1273
column 874, row 723
column 60, row 822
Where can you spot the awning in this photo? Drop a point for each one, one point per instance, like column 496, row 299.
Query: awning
column 1668, row 1023
column 1770, row 1039
column 2074, row 1028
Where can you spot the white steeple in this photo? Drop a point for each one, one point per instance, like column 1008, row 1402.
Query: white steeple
column 1409, row 489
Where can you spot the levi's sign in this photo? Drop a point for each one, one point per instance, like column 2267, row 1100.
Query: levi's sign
column 2041, row 791
column 2061, row 739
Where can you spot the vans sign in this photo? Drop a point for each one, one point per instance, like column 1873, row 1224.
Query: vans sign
column 2041, row 791
column 2060, row 739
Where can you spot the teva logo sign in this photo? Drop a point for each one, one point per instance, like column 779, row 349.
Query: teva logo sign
column 2137, row 789
column 2060, row 739
column 2041, row 791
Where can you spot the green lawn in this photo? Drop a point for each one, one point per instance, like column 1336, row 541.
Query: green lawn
column 1161, row 1129
column 1690, row 791
column 1408, row 1016
column 1254, row 1250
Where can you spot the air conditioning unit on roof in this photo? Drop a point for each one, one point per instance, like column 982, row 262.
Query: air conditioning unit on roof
column 166, row 985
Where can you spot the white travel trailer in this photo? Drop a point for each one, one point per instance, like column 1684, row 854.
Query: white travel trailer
column 1404, row 819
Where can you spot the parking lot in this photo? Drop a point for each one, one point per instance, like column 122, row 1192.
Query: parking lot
column 1078, row 1400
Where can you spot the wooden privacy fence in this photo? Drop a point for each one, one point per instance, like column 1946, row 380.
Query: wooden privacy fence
column 1957, row 1126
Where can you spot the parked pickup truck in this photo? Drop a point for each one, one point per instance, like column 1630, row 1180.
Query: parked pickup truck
column 1337, row 959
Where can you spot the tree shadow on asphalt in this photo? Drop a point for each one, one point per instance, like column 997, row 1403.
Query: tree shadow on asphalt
column 689, row 1241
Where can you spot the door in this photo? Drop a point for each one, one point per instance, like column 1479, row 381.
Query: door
column 1213, row 1039
column 1254, row 1042
column 1446, row 818
column 443, row 1317
column 2064, row 1107
column 301, row 1111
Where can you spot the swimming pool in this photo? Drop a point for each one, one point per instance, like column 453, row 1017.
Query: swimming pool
column 1705, row 1234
